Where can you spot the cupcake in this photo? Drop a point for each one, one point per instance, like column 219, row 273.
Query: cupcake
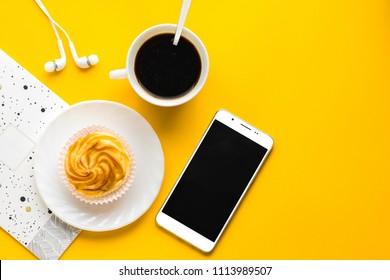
column 98, row 166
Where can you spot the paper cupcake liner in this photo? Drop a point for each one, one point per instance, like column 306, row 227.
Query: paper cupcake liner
column 111, row 196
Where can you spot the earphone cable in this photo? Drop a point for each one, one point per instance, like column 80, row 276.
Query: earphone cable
column 52, row 21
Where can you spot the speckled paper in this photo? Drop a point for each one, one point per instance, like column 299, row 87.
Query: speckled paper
column 26, row 105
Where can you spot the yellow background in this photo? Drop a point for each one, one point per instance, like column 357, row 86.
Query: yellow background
column 312, row 74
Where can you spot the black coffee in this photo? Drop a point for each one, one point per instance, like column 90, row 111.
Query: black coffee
column 166, row 70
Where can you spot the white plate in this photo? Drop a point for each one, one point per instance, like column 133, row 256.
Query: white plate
column 149, row 171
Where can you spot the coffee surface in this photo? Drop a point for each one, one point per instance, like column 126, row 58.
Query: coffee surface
column 166, row 70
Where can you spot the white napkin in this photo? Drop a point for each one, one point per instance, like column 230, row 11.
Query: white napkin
column 26, row 106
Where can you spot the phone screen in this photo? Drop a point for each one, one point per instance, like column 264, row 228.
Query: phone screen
column 214, row 180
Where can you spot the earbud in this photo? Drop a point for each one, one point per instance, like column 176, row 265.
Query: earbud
column 59, row 63
column 83, row 62
column 55, row 65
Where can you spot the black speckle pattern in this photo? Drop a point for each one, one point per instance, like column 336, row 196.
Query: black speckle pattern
column 23, row 99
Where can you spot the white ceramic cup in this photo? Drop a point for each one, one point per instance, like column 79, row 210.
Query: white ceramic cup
column 129, row 72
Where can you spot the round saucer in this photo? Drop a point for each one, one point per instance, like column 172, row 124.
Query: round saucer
column 148, row 176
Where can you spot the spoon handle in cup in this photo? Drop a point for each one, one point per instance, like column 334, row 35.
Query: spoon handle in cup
column 183, row 14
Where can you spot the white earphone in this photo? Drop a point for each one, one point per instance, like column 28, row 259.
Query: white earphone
column 59, row 63
column 83, row 62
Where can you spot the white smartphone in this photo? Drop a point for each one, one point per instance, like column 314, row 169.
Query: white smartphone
column 214, row 181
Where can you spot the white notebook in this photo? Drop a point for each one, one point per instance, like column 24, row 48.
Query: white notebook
column 26, row 106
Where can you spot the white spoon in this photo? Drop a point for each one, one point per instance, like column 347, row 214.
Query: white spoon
column 183, row 14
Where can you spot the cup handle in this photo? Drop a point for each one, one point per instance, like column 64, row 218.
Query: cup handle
column 118, row 74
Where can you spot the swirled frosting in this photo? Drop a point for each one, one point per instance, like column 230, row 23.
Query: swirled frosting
column 96, row 164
